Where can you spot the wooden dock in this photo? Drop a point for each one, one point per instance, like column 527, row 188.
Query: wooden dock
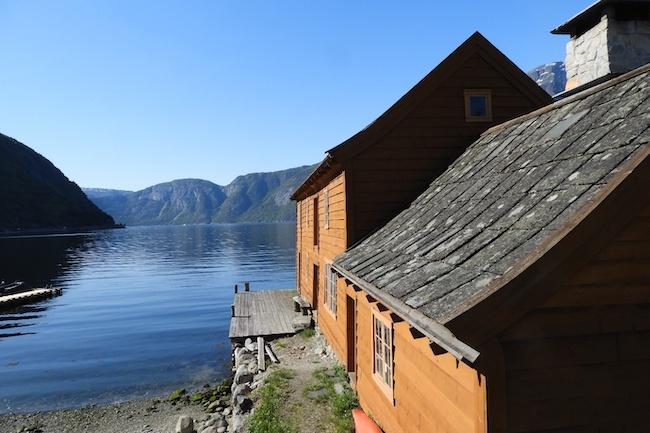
column 266, row 313
column 28, row 296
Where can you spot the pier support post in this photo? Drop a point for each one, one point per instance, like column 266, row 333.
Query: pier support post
column 236, row 288
column 261, row 355
column 232, row 310
column 247, row 286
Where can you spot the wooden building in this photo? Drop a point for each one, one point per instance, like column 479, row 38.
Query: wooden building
column 368, row 179
column 513, row 295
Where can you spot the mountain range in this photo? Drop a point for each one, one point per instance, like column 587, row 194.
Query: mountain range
column 550, row 77
column 35, row 195
column 255, row 197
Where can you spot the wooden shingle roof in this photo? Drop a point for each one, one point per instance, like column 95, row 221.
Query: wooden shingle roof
column 505, row 202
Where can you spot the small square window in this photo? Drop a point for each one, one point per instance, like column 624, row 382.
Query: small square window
column 478, row 105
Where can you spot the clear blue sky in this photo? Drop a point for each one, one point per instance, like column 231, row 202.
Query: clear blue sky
column 126, row 94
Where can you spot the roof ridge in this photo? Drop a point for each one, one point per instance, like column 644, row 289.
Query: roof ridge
column 578, row 96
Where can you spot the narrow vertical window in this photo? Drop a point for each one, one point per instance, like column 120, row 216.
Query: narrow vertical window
column 299, row 220
column 298, row 271
column 383, row 352
column 478, row 105
column 326, row 208
column 330, row 289
column 316, row 232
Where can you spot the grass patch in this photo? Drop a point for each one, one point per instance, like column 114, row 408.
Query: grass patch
column 322, row 390
column 269, row 416
column 307, row 333
column 342, row 406
column 176, row 395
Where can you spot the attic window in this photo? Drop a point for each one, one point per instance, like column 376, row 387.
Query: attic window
column 478, row 105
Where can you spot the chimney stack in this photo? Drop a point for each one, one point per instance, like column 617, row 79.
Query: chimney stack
column 609, row 38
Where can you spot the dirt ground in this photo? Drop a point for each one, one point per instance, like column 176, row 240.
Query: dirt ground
column 314, row 373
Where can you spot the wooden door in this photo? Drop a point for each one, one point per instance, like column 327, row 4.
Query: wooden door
column 351, row 313
column 314, row 302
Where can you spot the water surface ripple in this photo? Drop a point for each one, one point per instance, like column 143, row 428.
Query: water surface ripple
column 144, row 311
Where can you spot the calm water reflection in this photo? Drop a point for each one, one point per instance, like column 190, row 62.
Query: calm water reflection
column 145, row 309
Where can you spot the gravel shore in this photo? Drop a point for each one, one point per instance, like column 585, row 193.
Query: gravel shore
column 305, row 355
column 139, row 416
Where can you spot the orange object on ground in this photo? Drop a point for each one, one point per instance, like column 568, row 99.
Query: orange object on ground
column 362, row 423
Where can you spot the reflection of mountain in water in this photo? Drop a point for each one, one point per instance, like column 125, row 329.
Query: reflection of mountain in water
column 38, row 261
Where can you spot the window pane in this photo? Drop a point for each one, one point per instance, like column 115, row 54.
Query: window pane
column 478, row 106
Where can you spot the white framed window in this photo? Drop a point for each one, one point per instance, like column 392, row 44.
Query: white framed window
column 330, row 289
column 326, row 208
column 382, row 331
column 478, row 105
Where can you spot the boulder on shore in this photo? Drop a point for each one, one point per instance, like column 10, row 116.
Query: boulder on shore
column 185, row 424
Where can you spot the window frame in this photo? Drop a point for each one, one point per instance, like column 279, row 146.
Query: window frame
column 300, row 228
column 380, row 377
column 326, row 208
column 330, row 292
column 316, row 222
column 487, row 93
column 299, row 267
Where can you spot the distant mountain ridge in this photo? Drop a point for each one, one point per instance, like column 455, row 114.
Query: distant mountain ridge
column 255, row 197
column 550, row 77
column 35, row 195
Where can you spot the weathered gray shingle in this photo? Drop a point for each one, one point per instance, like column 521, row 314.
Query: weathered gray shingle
column 503, row 198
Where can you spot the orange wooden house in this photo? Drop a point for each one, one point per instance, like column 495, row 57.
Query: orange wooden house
column 369, row 178
column 513, row 293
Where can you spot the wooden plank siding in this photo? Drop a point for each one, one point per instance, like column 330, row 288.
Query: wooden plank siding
column 332, row 242
column 581, row 361
column 432, row 393
column 390, row 174
column 374, row 175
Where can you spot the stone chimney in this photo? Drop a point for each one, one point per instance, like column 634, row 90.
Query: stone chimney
column 608, row 38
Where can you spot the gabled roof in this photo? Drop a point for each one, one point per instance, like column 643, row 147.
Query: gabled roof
column 506, row 202
column 476, row 43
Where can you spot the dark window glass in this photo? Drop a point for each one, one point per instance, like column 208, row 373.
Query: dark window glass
column 478, row 106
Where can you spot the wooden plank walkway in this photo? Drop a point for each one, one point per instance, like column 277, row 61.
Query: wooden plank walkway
column 264, row 313
column 26, row 297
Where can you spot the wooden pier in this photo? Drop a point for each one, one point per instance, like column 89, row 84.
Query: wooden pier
column 28, row 296
column 267, row 313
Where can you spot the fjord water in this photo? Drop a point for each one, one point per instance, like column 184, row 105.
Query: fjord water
column 145, row 310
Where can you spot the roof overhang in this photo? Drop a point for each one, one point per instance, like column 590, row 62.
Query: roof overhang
column 318, row 178
column 433, row 330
